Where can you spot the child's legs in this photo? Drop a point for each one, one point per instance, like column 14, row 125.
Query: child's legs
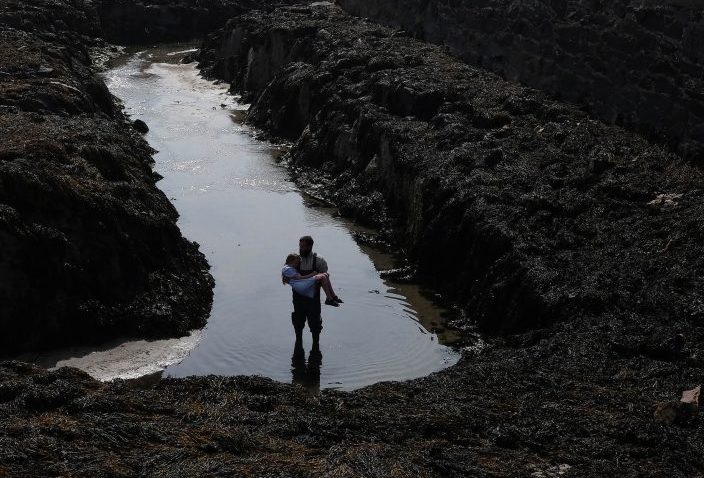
column 324, row 280
column 305, row 287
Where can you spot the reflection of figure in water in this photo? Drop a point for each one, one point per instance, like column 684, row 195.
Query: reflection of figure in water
column 307, row 309
column 307, row 375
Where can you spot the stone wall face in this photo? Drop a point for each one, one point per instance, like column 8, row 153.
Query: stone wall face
column 638, row 64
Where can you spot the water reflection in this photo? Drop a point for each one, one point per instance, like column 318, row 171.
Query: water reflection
column 306, row 373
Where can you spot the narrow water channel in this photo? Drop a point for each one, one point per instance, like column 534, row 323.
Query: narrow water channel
column 247, row 214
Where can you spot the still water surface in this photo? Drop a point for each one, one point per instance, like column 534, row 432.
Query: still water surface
column 247, row 214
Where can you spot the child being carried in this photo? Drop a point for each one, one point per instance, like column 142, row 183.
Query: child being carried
column 305, row 284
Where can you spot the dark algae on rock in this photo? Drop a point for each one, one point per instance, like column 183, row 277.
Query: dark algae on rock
column 530, row 410
column 576, row 244
column 136, row 22
column 89, row 245
column 638, row 63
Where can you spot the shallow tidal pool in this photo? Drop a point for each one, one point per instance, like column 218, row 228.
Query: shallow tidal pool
column 247, row 214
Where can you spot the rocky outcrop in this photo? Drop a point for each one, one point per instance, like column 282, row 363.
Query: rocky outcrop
column 89, row 245
column 525, row 210
column 130, row 22
column 636, row 63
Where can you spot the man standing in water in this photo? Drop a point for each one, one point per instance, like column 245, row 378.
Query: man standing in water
column 306, row 308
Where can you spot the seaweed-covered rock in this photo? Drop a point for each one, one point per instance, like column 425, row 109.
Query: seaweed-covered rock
column 90, row 246
column 631, row 62
column 138, row 22
column 140, row 126
column 528, row 411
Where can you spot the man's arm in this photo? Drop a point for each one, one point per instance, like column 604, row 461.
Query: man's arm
column 321, row 264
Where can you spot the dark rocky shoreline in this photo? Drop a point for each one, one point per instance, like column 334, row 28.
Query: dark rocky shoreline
column 581, row 243
column 90, row 246
column 636, row 63
column 135, row 22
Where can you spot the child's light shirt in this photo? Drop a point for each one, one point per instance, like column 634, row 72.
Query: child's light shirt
column 304, row 287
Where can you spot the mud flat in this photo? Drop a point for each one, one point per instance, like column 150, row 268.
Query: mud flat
column 577, row 244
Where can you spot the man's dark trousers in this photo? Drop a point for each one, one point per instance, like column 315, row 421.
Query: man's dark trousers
column 306, row 309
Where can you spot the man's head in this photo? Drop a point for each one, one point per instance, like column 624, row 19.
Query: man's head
column 305, row 245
